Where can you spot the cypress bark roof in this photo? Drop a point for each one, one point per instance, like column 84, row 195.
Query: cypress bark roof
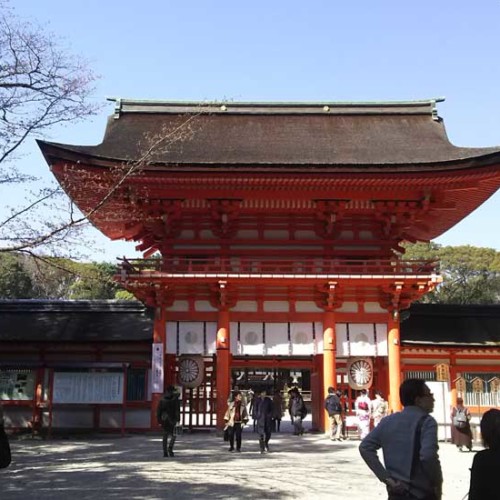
column 452, row 325
column 110, row 321
column 74, row 321
column 353, row 136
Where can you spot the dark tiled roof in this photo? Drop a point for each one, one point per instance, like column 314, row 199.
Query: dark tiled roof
column 94, row 321
column 452, row 325
column 347, row 135
column 74, row 321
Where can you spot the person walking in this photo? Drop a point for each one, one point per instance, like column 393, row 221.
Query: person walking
column 344, row 403
column 362, row 408
column 297, row 410
column 168, row 415
column 263, row 416
column 236, row 417
column 486, row 463
column 277, row 411
column 379, row 408
column 461, row 433
column 409, row 443
column 334, row 409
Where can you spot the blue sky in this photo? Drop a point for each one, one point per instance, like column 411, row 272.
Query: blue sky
column 277, row 50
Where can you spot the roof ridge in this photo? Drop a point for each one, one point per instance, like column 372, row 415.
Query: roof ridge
column 125, row 105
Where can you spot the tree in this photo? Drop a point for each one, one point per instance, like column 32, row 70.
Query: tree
column 41, row 85
column 15, row 281
column 471, row 274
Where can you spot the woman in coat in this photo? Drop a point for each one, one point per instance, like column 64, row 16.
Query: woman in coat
column 461, row 434
column 236, row 417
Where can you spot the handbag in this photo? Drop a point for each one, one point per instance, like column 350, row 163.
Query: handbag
column 226, row 434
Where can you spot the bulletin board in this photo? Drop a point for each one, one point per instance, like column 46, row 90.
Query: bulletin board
column 88, row 388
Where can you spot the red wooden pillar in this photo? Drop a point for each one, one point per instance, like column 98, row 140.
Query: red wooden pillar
column 158, row 356
column 453, row 378
column 394, row 372
column 329, row 361
column 223, row 365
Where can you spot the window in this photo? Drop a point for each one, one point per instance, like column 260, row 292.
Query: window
column 136, row 384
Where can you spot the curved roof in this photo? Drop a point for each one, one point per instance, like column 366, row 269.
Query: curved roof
column 353, row 136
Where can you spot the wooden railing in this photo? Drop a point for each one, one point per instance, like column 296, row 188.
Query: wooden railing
column 249, row 265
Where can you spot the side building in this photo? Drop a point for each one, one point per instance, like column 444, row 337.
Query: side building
column 88, row 365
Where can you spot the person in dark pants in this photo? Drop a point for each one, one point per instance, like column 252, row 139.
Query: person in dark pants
column 263, row 409
column 168, row 415
column 236, row 417
column 277, row 411
column 297, row 410
column 486, row 464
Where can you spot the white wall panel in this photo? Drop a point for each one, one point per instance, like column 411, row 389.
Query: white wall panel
column 191, row 337
column 251, row 338
column 277, row 339
column 301, row 336
column 361, row 339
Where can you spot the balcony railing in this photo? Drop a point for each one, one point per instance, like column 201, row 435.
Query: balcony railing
column 255, row 266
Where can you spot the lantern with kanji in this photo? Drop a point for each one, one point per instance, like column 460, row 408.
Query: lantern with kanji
column 477, row 384
column 494, row 384
column 442, row 372
column 460, row 385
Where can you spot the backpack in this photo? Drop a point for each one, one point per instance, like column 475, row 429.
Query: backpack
column 332, row 405
column 460, row 419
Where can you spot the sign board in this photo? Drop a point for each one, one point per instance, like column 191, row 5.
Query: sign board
column 442, row 372
column 477, row 384
column 88, row 388
column 494, row 384
column 17, row 385
column 157, row 368
column 442, row 405
column 460, row 385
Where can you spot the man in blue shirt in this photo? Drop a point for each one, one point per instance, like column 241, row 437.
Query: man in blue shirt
column 409, row 444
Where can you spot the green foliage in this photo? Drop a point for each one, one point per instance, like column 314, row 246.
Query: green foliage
column 27, row 277
column 124, row 295
column 94, row 282
column 15, row 281
column 471, row 275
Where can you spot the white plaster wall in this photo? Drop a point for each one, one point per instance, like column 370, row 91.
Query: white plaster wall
column 304, row 306
column 276, row 306
column 362, row 339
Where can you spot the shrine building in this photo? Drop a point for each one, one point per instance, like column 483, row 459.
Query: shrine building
column 271, row 236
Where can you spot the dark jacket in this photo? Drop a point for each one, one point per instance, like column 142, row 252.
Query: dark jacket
column 168, row 412
column 296, row 406
column 484, row 475
column 263, row 411
column 332, row 405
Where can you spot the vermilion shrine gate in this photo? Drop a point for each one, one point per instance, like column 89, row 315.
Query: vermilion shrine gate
column 272, row 234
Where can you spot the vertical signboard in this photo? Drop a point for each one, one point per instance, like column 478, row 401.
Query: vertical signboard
column 157, row 368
